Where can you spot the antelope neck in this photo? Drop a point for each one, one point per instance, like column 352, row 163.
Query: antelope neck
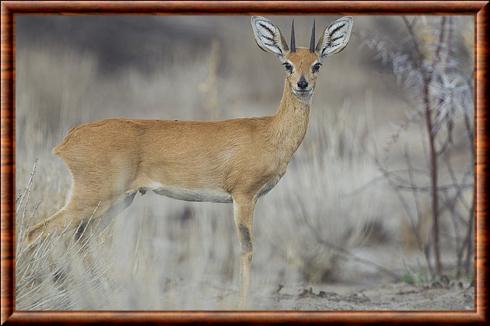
column 290, row 122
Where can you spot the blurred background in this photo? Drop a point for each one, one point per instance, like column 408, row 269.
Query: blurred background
column 352, row 224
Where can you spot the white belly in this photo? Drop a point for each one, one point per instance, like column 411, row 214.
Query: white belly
column 269, row 185
column 201, row 195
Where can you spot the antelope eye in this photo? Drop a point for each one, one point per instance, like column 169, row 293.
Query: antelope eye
column 316, row 67
column 288, row 67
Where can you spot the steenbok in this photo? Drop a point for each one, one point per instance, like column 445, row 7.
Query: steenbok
column 232, row 161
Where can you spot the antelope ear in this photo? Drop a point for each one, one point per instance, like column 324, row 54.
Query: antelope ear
column 335, row 37
column 269, row 37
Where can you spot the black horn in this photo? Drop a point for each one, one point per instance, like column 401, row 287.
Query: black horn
column 312, row 39
column 293, row 39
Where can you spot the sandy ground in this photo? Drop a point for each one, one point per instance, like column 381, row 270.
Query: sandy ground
column 395, row 296
column 399, row 296
column 362, row 288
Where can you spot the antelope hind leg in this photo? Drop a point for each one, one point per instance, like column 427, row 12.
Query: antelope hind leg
column 70, row 218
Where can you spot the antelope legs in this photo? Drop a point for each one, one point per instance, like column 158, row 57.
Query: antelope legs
column 243, row 210
column 71, row 216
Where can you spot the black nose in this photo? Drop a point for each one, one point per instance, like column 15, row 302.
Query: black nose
column 302, row 83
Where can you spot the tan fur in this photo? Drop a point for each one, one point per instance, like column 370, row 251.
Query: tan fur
column 240, row 159
column 111, row 158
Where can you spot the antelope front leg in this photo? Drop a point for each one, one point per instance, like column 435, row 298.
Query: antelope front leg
column 243, row 210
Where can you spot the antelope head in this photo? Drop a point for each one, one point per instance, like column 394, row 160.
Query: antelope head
column 302, row 65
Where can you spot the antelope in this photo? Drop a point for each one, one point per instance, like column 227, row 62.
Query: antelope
column 231, row 161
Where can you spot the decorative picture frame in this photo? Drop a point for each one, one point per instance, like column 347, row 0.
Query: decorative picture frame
column 11, row 9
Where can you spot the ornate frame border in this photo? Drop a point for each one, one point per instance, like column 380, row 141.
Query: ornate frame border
column 9, row 9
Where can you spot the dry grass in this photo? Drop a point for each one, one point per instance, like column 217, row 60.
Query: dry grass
column 166, row 254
